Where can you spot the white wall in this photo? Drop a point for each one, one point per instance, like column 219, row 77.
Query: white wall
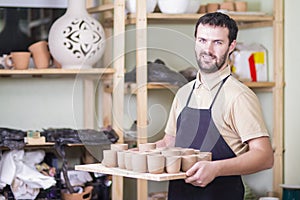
column 292, row 93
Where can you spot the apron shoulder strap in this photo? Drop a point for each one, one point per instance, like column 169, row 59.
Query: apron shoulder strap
column 224, row 80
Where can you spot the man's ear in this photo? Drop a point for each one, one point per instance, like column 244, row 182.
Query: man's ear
column 232, row 46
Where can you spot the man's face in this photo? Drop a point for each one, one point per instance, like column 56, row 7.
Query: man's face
column 212, row 48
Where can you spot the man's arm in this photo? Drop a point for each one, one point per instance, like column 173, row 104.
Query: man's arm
column 259, row 157
column 167, row 141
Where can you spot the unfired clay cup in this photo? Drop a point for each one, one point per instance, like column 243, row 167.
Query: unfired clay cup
column 212, row 7
column 121, row 159
column 139, row 162
column 146, row 147
column 202, row 9
column 18, row 60
column 156, row 163
column 204, row 156
column 128, row 160
column 188, row 161
column 173, row 164
column 109, row 158
column 40, row 53
column 227, row 5
column 171, row 152
column 187, row 151
column 241, row 6
column 119, row 147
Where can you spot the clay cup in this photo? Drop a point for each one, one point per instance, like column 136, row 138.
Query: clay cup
column 119, row 147
column 109, row 158
column 173, row 164
column 40, row 53
column 188, row 161
column 139, row 162
column 156, row 163
column 146, row 147
column 17, row 60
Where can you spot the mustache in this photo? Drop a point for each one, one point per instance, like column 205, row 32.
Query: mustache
column 207, row 54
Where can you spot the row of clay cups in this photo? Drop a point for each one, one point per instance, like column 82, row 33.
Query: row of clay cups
column 170, row 160
column 239, row 6
column 39, row 52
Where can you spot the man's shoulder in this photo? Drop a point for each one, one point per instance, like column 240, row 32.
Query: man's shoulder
column 187, row 88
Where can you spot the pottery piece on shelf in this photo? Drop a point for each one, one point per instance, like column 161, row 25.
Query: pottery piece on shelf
column 17, row 60
column 173, row 7
column 130, row 5
column 193, row 6
column 76, row 40
column 40, row 53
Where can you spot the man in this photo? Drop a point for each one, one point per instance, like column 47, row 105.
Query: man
column 217, row 113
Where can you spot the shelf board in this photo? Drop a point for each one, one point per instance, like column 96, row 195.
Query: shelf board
column 93, row 71
column 255, row 85
column 169, row 18
column 101, row 8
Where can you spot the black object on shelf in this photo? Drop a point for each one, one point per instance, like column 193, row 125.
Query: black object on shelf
column 12, row 38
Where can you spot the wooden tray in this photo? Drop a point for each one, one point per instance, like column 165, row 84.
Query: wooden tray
column 99, row 168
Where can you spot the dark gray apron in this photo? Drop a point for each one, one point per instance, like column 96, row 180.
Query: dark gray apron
column 196, row 129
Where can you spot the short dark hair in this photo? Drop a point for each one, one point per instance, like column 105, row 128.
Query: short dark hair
column 219, row 19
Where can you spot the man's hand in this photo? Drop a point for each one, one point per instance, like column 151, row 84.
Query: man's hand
column 201, row 174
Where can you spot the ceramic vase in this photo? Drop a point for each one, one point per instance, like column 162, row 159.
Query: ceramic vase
column 76, row 40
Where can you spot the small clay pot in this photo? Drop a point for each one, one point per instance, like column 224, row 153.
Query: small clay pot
column 202, row 9
column 187, row 151
column 188, row 161
column 241, row 6
column 171, row 152
column 156, row 163
column 109, row 158
column 204, row 156
column 212, row 7
column 128, row 160
column 139, row 162
column 119, row 147
column 173, row 164
column 227, row 6
column 146, row 147
column 121, row 159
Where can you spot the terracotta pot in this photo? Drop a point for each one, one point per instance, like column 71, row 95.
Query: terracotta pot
column 85, row 195
column 241, row 6
column 212, row 7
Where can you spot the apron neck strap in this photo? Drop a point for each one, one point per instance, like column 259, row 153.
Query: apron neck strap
column 190, row 95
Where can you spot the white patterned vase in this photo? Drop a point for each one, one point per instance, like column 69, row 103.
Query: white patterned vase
column 76, row 40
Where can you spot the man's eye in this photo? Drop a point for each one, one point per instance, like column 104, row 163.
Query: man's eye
column 218, row 43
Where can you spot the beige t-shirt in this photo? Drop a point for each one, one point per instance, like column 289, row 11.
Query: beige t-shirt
column 236, row 112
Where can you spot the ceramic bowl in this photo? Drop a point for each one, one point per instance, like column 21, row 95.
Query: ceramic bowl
column 193, row 6
column 130, row 5
column 173, row 6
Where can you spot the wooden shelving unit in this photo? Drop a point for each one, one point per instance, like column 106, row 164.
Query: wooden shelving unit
column 141, row 19
column 254, row 20
column 93, row 71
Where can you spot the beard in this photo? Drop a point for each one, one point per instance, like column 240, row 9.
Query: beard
column 209, row 63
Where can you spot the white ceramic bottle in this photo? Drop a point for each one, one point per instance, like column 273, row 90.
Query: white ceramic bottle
column 76, row 40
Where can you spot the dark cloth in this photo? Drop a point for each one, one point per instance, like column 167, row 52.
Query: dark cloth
column 157, row 71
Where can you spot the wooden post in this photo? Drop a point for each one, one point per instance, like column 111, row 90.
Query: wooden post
column 278, row 28
column 141, row 79
column 118, row 85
